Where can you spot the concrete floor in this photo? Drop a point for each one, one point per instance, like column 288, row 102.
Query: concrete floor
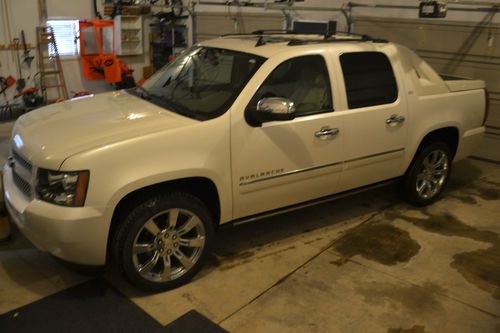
column 367, row 263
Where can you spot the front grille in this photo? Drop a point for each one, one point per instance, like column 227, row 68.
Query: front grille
column 21, row 173
column 23, row 185
column 22, row 161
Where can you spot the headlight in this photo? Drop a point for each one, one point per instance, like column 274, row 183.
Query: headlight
column 62, row 188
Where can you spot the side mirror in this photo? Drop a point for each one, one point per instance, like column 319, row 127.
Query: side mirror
column 271, row 109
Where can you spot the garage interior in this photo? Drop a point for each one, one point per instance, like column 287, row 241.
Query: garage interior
column 362, row 263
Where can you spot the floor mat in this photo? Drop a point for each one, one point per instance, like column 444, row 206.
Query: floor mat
column 192, row 322
column 94, row 306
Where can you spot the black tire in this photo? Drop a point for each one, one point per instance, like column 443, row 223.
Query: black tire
column 136, row 228
column 416, row 171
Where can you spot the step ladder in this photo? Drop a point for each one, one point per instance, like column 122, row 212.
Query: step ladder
column 49, row 66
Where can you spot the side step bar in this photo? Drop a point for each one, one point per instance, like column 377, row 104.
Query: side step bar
column 314, row 202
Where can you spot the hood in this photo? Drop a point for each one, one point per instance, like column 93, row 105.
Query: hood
column 51, row 134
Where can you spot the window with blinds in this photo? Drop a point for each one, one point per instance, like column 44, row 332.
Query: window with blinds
column 65, row 32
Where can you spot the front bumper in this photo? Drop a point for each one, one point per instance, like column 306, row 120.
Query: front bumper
column 75, row 234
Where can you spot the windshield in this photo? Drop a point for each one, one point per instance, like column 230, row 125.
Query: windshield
column 202, row 82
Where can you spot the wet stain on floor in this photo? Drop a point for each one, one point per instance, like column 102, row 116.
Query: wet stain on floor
column 490, row 182
column 340, row 261
column 444, row 224
column 382, row 243
column 480, row 267
column 483, row 189
column 414, row 329
column 488, row 193
column 229, row 260
column 486, row 190
column 466, row 199
column 436, row 288
column 401, row 297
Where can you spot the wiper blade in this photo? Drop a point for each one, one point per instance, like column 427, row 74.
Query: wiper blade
column 164, row 101
column 144, row 94
column 169, row 104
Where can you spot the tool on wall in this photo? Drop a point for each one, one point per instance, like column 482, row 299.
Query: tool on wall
column 49, row 66
column 6, row 83
column 9, row 111
column 21, row 82
column 30, row 98
column 97, row 51
column 27, row 58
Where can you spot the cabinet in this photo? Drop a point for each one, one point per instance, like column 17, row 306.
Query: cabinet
column 128, row 35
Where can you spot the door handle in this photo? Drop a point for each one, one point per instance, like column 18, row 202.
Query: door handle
column 326, row 133
column 395, row 119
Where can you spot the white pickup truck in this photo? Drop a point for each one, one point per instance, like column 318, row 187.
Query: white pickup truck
column 235, row 128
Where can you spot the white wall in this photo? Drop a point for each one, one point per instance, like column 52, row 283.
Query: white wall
column 80, row 9
column 23, row 15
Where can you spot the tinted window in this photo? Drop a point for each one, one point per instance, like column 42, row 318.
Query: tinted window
column 304, row 81
column 369, row 79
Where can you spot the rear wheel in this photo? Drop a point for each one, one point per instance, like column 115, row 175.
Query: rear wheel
column 164, row 241
column 428, row 174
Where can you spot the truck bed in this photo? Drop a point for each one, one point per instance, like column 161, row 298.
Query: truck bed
column 456, row 83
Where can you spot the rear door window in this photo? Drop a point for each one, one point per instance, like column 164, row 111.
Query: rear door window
column 369, row 79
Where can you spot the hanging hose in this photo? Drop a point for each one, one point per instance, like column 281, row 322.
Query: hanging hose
column 97, row 13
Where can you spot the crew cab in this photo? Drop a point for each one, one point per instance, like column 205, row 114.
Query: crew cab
column 234, row 128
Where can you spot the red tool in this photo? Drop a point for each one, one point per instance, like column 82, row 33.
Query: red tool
column 6, row 83
column 27, row 91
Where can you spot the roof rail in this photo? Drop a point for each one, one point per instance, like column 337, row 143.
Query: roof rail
column 362, row 38
column 271, row 31
column 288, row 36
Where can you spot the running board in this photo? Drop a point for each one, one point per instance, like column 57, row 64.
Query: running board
column 314, row 202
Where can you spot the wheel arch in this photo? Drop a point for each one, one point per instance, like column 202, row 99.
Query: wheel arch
column 448, row 134
column 201, row 187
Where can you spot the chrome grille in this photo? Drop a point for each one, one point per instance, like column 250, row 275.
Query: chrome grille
column 22, row 161
column 23, row 185
column 22, row 171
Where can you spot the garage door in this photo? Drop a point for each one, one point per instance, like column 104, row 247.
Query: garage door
column 211, row 25
column 458, row 48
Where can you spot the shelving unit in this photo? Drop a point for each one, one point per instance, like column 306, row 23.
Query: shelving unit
column 128, row 35
column 167, row 39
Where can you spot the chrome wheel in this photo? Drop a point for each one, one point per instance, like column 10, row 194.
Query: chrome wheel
column 432, row 174
column 168, row 245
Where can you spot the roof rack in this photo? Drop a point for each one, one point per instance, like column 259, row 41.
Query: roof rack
column 293, row 40
column 361, row 38
column 271, row 31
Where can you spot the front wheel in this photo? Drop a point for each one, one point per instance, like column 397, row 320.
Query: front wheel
column 428, row 174
column 163, row 242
